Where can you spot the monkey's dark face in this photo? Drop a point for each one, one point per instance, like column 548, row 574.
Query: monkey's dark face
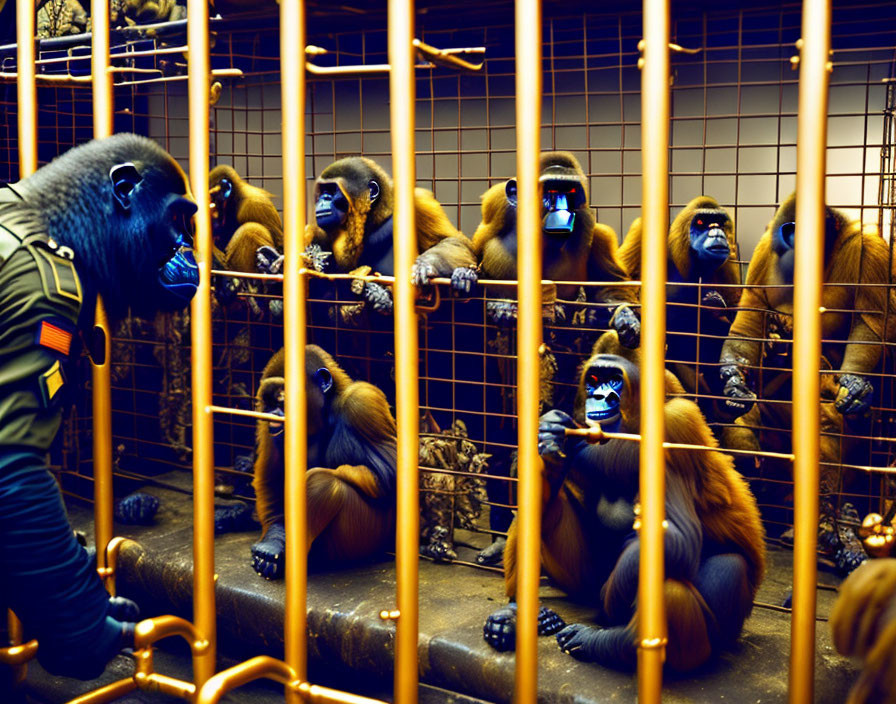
column 178, row 273
column 222, row 195
column 604, row 386
column 332, row 202
column 709, row 239
column 152, row 225
column 331, row 206
column 272, row 400
column 783, row 237
column 561, row 198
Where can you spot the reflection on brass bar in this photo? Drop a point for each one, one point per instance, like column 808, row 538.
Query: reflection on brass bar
column 109, row 564
column 103, row 107
column 201, row 340
column 247, row 275
column 249, row 414
column 597, row 435
column 255, row 668
column 447, row 57
column 9, row 77
column 811, row 143
column 402, row 93
column 152, row 630
column 655, row 209
column 27, row 124
column 26, row 87
column 345, row 70
column 527, row 24
column 292, row 43
column 107, row 693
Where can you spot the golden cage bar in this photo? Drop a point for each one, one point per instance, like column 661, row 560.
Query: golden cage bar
column 208, row 684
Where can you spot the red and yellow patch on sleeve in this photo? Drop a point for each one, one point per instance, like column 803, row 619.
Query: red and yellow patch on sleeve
column 54, row 337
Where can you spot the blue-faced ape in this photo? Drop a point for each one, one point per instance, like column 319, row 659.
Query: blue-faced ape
column 863, row 625
column 244, row 220
column 575, row 247
column 351, row 467
column 353, row 203
column 714, row 540
column 701, row 249
column 853, row 328
column 110, row 217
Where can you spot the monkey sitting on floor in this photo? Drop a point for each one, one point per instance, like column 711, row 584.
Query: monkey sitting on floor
column 351, row 467
column 714, row 539
column 353, row 203
column 111, row 217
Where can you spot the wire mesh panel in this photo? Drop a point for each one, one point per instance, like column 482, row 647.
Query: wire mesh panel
column 733, row 138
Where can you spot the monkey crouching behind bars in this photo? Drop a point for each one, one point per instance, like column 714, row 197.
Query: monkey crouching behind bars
column 351, row 467
column 110, row 217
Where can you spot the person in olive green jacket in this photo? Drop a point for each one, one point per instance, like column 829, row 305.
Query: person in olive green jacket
column 110, row 217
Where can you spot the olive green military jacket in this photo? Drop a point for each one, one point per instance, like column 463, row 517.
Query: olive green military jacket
column 40, row 299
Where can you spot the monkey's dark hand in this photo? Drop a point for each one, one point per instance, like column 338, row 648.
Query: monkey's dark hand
column 268, row 260
column 580, row 641
column 552, row 433
column 268, row 553
column 464, row 278
column 136, row 509
column 502, row 312
column 627, row 326
column 739, row 397
column 422, row 272
column 499, row 630
column 854, row 395
column 714, row 299
column 233, row 517
column 379, row 297
column 226, row 289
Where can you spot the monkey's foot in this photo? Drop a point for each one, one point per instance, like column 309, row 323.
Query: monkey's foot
column 493, row 554
column 137, row 509
column 422, row 272
column 502, row 312
column 627, row 326
column 233, row 518
column 122, row 609
column 378, row 297
column 499, row 630
column 268, row 553
column 854, row 395
column 464, row 278
column 579, row 640
column 275, row 306
column 268, row 260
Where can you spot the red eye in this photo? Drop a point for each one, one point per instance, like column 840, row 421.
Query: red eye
column 593, row 380
column 700, row 223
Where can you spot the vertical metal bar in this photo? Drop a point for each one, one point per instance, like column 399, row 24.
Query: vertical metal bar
column 201, row 340
column 402, row 94
column 292, row 72
column 103, row 103
column 528, row 140
column 655, row 209
column 807, row 299
column 26, row 87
